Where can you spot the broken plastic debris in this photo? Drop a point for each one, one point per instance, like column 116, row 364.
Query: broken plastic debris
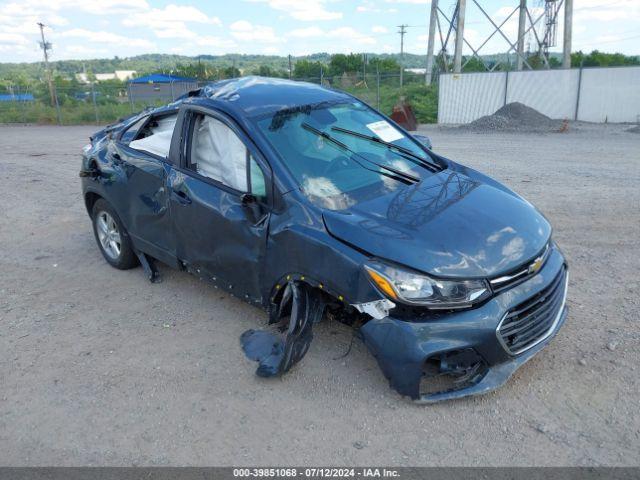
column 276, row 354
column 378, row 309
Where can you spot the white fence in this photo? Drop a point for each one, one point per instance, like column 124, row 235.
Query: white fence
column 588, row 94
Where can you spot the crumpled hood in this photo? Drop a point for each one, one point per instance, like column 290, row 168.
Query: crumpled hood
column 448, row 225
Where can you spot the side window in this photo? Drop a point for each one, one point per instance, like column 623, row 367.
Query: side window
column 155, row 136
column 217, row 153
column 258, row 186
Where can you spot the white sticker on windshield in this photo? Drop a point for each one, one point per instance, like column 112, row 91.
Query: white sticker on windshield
column 385, row 131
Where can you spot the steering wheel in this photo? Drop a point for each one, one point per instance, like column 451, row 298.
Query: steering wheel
column 338, row 163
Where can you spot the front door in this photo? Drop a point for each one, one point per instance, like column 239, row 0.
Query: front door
column 219, row 204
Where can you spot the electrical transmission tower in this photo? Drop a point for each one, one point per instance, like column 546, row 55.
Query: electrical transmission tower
column 448, row 26
column 551, row 8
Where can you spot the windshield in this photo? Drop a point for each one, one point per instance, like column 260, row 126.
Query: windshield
column 344, row 153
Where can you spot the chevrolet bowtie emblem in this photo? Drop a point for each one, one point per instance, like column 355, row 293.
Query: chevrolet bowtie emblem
column 536, row 265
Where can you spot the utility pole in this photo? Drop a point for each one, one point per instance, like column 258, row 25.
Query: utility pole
column 46, row 46
column 457, row 57
column 566, row 44
column 402, row 31
column 364, row 68
column 521, row 26
column 433, row 18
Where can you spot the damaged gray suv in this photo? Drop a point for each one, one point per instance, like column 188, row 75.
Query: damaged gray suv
column 307, row 202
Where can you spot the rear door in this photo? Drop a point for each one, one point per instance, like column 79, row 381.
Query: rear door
column 220, row 203
column 142, row 152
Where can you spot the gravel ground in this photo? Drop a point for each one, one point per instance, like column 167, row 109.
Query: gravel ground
column 100, row 367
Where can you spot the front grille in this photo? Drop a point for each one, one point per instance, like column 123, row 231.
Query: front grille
column 533, row 320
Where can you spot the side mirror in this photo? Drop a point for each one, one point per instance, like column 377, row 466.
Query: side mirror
column 252, row 208
column 424, row 140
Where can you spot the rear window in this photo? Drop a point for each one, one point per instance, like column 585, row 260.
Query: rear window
column 131, row 132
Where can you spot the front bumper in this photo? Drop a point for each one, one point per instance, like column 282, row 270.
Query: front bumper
column 403, row 347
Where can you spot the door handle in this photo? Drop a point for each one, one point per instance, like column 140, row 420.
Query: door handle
column 180, row 197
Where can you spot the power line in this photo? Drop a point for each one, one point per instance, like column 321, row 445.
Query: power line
column 617, row 40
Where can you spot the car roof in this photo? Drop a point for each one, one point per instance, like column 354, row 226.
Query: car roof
column 259, row 95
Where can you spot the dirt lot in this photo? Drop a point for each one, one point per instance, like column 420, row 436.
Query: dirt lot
column 100, row 367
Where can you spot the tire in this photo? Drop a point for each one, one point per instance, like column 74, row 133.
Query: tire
column 112, row 238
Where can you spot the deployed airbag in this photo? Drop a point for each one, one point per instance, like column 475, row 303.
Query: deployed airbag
column 159, row 141
column 219, row 154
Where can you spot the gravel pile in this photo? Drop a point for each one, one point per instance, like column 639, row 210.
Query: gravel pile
column 515, row 117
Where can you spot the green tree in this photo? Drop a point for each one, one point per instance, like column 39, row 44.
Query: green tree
column 267, row 71
column 473, row 65
column 601, row 59
column 229, row 72
column 341, row 63
column 384, row 65
column 307, row 69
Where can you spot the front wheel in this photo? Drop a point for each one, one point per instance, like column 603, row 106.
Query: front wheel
column 112, row 238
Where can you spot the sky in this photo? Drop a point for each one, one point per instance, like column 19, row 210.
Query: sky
column 81, row 29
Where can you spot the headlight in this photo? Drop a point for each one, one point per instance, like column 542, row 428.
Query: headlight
column 419, row 289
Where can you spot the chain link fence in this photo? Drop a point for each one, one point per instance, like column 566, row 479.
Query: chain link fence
column 105, row 102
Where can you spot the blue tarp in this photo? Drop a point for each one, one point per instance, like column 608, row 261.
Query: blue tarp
column 19, row 97
column 161, row 78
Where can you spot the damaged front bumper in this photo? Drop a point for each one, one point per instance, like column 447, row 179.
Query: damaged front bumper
column 468, row 352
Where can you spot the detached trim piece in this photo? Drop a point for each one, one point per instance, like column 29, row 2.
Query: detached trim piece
column 378, row 309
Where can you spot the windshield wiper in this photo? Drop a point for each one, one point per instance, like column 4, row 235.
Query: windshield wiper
column 407, row 153
column 396, row 174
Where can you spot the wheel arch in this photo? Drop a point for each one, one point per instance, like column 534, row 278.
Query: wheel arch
column 90, row 199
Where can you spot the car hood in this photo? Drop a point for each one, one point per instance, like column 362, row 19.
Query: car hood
column 448, row 225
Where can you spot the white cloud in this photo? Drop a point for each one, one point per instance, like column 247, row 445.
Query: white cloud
column 352, row 35
column 370, row 7
column 215, row 43
column 379, row 29
column 13, row 39
column 418, row 2
column 106, row 38
column 171, row 21
column 17, row 18
column 308, row 32
column 606, row 10
column 346, row 36
column 83, row 51
column 305, row 10
column 247, row 32
column 103, row 7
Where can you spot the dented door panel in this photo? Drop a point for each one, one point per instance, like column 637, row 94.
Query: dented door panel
column 215, row 236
